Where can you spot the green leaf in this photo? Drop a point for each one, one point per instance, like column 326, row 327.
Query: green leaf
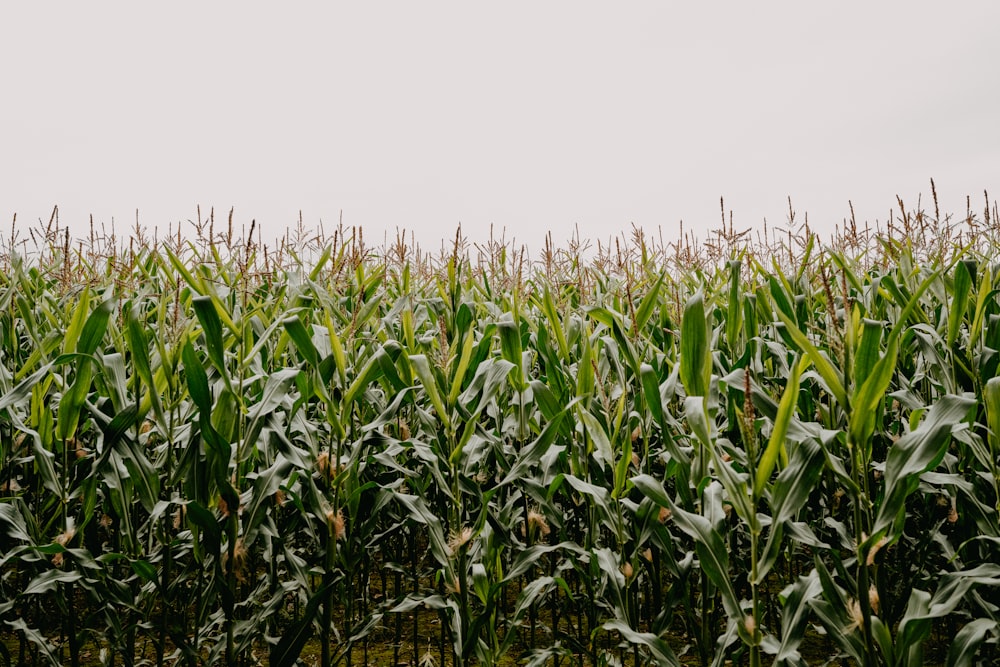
column 830, row 608
column 652, row 489
column 208, row 315
column 613, row 321
column 144, row 569
column 488, row 380
column 73, row 399
column 139, row 347
column 93, row 330
column 286, row 652
column 734, row 316
column 959, row 302
column 585, row 371
column 595, row 432
column 776, row 443
column 510, row 347
column 548, row 306
column 275, row 394
column 735, row 484
column 201, row 517
column 75, row 396
column 823, row 366
column 791, row 490
column 867, row 354
column 371, row 372
column 598, row 495
column 661, row 652
column 530, row 558
column 696, row 353
column 780, row 289
column 197, row 380
column 49, row 581
column 297, row 332
column 651, row 392
column 922, row 607
column 915, row 453
column 24, row 387
column 991, row 400
column 265, row 485
column 883, row 638
column 462, row 365
column 38, row 639
column 72, row 333
column 181, row 267
column 795, row 616
column 713, row 556
column 534, row 452
column 419, row 512
column 648, row 304
column 875, row 381
column 423, row 370
column 142, row 473
column 968, row 640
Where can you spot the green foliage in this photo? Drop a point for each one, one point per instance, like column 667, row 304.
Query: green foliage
column 207, row 457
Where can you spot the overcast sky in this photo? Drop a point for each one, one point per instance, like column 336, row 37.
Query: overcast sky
column 528, row 116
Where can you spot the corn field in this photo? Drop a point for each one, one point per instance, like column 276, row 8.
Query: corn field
column 743, row 450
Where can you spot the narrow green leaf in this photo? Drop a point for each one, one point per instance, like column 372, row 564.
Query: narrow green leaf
column 712, row 554
column 286, row 652
column 95, row 327
column 613, row 321
column 820, row 361
column 75, row 327
column 662, row 654
column 462, row 366
column 915, row 453
column 197, row 380
column 297, row 332
column 49, row 580
column 991, row 400
column 968, row 640
column 139, row 347
column 38, row 639
column 734, row 319
column 485, row 385
column 651, row 392
column 423, row 370
column 776, row 443
column 696, row 353
column 555, row 323
column 510, row 347
column 419, row 512
column 865, row 402
column 208, row 315
column 652, row 489
column 959, row 302
column 648, row 304
column 867, row 354
column 73, row 399
column 265, row 485
column 145, row 569
column 790, row 492
column 586, row 374
column 534, row 452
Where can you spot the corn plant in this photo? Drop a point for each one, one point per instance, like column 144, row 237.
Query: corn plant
column 774, row 451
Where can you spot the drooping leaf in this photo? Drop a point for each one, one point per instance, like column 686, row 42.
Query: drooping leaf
column 915, row 453
column 288, row 649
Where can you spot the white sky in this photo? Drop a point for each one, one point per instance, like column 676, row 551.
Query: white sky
column 530, row 116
